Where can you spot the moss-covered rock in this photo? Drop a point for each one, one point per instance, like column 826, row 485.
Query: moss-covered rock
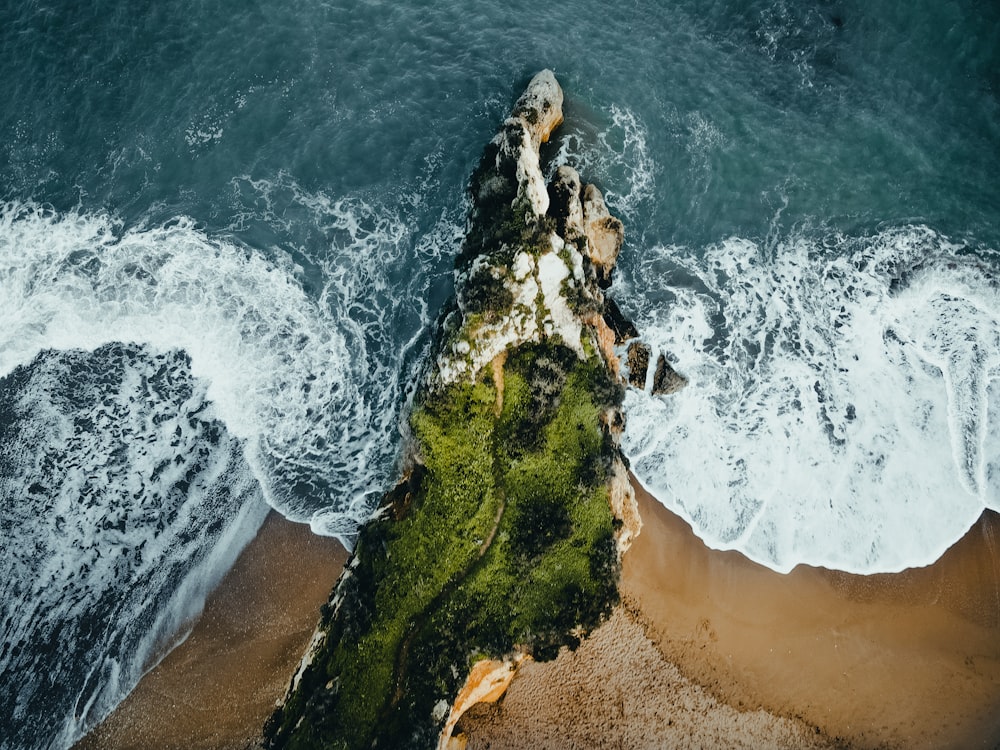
column 502, row 543
column 501, row 538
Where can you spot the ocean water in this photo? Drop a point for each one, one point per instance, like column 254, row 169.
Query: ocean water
column 226, row 233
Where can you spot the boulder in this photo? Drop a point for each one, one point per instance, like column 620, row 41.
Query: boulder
column 605, row 234
column 638, row 362
column 666, row 379
column 623, row 328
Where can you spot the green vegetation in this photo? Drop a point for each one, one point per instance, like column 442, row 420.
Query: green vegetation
column 488, row 295
column 501, row 538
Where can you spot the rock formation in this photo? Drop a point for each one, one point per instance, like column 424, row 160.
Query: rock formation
column 638, row 363
column 666, row 379
column 503, row 542
column 622, row 327
column 605, row 234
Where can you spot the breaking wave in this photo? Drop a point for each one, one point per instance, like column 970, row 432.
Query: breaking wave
column 844, row 399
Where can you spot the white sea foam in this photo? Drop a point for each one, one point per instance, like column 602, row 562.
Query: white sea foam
column 377, row 281
column 124, row 501
column 290, row 375
column 843, row 402
column 615, row 157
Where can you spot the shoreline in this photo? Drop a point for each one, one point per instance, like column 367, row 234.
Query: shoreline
column 757, row 658
column 908, row 659
column 217, row 687
column 707, row 647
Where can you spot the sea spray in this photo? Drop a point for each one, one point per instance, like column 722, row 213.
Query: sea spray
column 614, row 151
column 753, row 456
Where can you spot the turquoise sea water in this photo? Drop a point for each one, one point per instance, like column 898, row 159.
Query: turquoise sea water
column 226, row 232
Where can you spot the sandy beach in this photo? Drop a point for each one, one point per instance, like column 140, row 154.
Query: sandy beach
column 217, row 688
column 618, row 691
column 746, row 657
column 707, row 649
column 905, row 660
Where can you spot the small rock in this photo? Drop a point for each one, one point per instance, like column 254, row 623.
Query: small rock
column 638, row 362
column 666, row 379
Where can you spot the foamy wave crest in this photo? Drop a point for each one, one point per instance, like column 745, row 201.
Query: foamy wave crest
column 124, row 501
column 155, row 384
column 285, row 373
column 376, row 279
column 844, row 396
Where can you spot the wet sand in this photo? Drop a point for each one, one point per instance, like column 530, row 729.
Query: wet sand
column 909, row 660
column 218, row 687
column 728, row 647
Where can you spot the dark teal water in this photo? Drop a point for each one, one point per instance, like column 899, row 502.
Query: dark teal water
column 261, row 203
column 857, row 115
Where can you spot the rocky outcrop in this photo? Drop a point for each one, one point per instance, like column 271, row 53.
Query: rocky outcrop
column 505, row 540
column 519, row 279
column 605, row 234
column 486, row 683
column 666, row 379
column 540, row 107
column 508, row 186
column 623, row 328
column 638, row 363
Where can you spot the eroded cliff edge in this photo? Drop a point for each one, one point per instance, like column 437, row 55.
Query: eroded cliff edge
column 503, row 541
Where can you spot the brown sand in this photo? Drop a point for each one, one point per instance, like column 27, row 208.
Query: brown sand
column 218, row 687
column 617, row 691
column 909, row 660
